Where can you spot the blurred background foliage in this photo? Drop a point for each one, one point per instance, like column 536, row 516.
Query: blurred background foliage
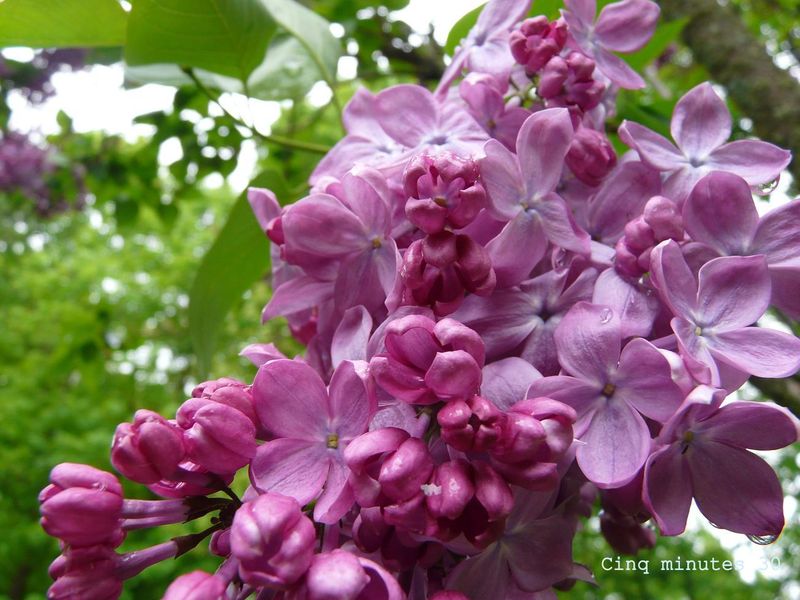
column 125, row 280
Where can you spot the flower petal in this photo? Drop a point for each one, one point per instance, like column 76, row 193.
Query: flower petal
column 636, row 306
column 720, row 212
column 667, row 490
column 617, row 70
column 407, row 113
column 700, row 122
column 337, row 498
column 291, row 400
column 753, row 425
column 351, row 405
column 542, row 144
column 295, row 468
column 559, row 225
column 351, row 336
column 616, row 445
column 778, row 236
column 758, row 351
column 756, row 161
column 501, row 175
column 506, row 381
column 626, row 26
column 644, row 380
column 674, row 280
column 517, row 249
column 654, row 149
column 734, row 292
column 735, row 489
column 588, row 341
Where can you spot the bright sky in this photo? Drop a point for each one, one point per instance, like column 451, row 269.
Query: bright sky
column 96, row 100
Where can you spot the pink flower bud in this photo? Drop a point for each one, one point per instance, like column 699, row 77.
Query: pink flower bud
column 197, row 585
column 474, row 425
column 537, row 41
column 149, row 449
column 450, row 489
column 404, row 471
column 591, row 156
column 664, row 217
column 426, row 362
column 82, row 506
column 85, row 573
column 218, row 437
column 370, row 529
column 273, row 540
column 492, row 491
column 339, row 574
column 231, row 392
column 625, row 534
column 569, row 82
column 443, row 191
column 364, row 456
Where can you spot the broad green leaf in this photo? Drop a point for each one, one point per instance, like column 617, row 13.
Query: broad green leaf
column 288, row 71
column 228, row 37
column 312, row 31
column 461, row 29
column 236, row 259
column 61, row 23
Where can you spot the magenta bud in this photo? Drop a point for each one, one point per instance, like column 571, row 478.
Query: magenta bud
column 639, row 235
column 149, row 449
column 625, row 534
column 370, row 529
column 536, row 41
column 404, row 471
column 591, row 156
column 273, row 540
column 450, row 489
column 334, row 575
column 492, row 491
column 86, row 577
column 625, row 261
column 197, row 585
column 443, row 190
column 218, row 437
column 474, row 425
column 232, row 392
column 664, row 217
column 365, row 455
column 220, row 544
column 82, row 506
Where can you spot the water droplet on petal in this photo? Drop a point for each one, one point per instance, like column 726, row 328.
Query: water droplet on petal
column 762, row 540
column 768, row 188
column 605, row 315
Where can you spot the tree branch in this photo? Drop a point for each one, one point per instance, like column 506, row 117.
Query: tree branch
column 722, row 43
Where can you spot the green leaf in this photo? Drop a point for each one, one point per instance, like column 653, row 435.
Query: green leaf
column 228, row 37
column 461, row 29
column 61, row 23
column 312, row 31
column 236, row 259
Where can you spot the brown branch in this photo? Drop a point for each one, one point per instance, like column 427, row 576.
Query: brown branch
column 722, row 43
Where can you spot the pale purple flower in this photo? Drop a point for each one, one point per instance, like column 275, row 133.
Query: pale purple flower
column 386, row 129
column 520, row 321
column 701, row 126
column 712, row 314
column 486, row 49
column 704, row 455
column 611, row 388
column 521, row 190
column 720, row 213
column 313, row 425
column 533, row 553
column 483, row 96
column 621, row 27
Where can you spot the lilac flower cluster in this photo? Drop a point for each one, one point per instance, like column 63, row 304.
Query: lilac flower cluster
column 505, row 323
